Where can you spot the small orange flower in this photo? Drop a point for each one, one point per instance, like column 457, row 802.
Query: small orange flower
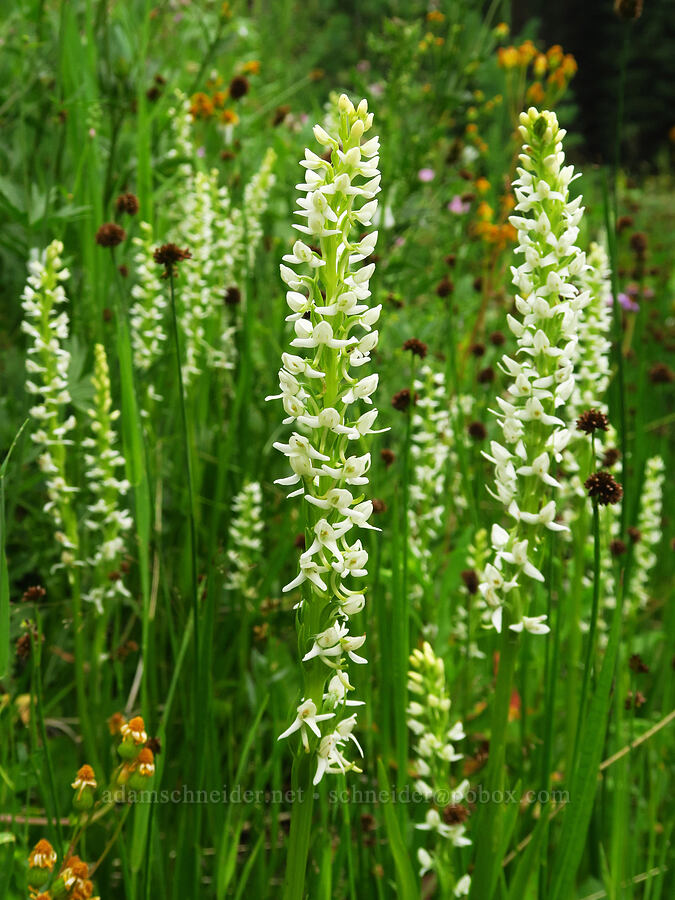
column 146, row 762
column 316, row 74
column 482, row 185
column 540, row 65
column 135, row 728
column 554, row 55
column 508, row 57
column 42, row 856
column 201, row 106
column 85, row 778
column 569, row 65
column 484, row 211
column 251, row 68
column 219, row 99
column 527, row 52
column 229, row 117
column 435, row 15
column 535, row 93
column 501, row 30
column 115, row 723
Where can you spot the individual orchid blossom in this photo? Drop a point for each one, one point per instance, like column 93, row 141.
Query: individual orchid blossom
column 323, row 391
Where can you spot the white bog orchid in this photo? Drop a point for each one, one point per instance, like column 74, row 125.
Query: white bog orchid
column 324, row 389
column 550, row 306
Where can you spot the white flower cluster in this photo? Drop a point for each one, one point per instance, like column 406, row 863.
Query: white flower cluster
column 650, row 531
column 256, row 196
column 549, row 304
column 592, row 359
column 106, row 519
column 332, row 320
column 429, row 450
column 246, row 546
column 47, row 362
column 429, row 720
column 221, row 239
column 148, row 310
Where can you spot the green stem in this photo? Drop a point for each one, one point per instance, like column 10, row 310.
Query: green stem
column 301, row 827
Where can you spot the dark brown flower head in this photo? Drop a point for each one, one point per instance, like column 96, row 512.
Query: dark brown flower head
column 107, row 314
column 280, row 114
column 300, row 541
column 477, row 350
column 638, row 665
column 610, row 458
column 445, row 287
column 227, row 155
column 455, row 814
column 110, row 235
column 638, row 244
column 628, row 9
column 478, row 284
column 603, row 487
column 34, row 594
column 154, row 744
column 153, row 93
column 23, row 646
column 232, row 296
column 634, row 534
column 617, row 547
column 379, row 506
column 127, row 203
column 417, row 348
column 123, row 270
column 401, row 400
column 635, row 700
column 486, row 375
column 169, row 255
column 470, row 579
column 660, row 373
column 387, row 456
column 497, row 338
column 238, row 87
column 623, row 222
column 477, row 431
column 592, row 420
column 394, row 300
column 450, row 260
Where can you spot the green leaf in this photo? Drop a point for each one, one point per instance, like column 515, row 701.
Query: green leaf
column 4, row 573
column 405, row 876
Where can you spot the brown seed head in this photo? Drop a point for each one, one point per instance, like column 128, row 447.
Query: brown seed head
column 445, row 287
column 470, row 579
column 401, row 400
column 239, row 87
column 592, row 420
column 617, row 547
column 603, row 487
column 127, row 203
column 610, row 458
column 477, row 431
column 110, row 235
column 169, row 255
column 417, row 348
column 387, row 456
column 638, row 665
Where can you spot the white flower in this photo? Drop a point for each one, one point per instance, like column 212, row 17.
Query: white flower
column 306, row 718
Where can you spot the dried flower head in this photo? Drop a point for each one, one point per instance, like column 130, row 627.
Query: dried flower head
column 628, row 9
column 445, row 287
column 401, row 400
column 634, row 534
column 127, row 203
column 238, row 87
column 169, row 255
column 603, row 487
column 115, row 723
column 610, row 457
column 23, row 646
column 387, row 456
column 660, row 373
column 477, row 431
column 232, row 296
column 617, row 547
column 110, row 235
column 33, row 594
column 471, row 580
column 638, row 665
column 638, row 244
column 592, row 420
column 416, row 347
